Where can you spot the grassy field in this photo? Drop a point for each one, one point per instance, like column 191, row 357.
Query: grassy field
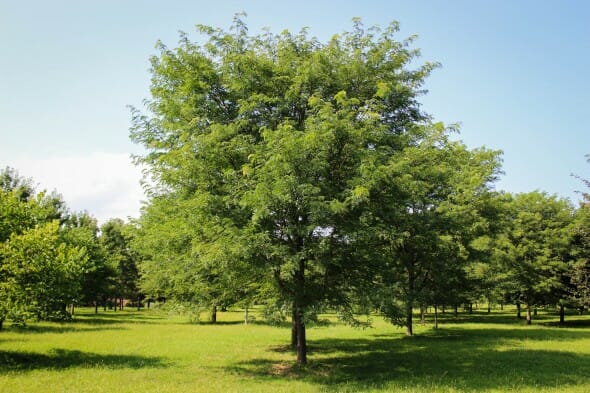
column 150, row 351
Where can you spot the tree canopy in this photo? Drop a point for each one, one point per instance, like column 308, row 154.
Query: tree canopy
column 271, row 154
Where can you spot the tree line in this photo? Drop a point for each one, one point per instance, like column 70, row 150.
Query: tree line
column 52, row 259
column 302, row 176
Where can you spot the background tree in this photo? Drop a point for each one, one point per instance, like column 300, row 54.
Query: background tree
column 39, row 269
column 579, row 277
column 81, row 230
column 116, row 237
column 40, row 274
column 535, row 246
column 425, row 210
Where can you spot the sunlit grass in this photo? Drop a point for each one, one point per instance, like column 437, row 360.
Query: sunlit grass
column 150, row 351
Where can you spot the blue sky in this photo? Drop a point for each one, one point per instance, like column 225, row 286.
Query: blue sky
column 514, row 74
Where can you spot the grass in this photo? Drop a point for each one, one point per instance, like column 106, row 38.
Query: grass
column 149, row 351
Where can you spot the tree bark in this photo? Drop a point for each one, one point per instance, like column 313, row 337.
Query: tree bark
column 96, row 307
column 294, row 327
column 535, row 311
column 561, row 314
column 301, row 339
column 489, row 306
column 214, row 314
column 581, row 310
column 1, row 323
column 443, row 308
column 456, row 311
column 246, row 316
column 435, row 317
column 529, row 319
column 518, row 316
column 422, row 315
column 409, row 305
column 470, row 308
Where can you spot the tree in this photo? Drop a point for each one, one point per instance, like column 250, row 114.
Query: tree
column 534, row 249
column 38, row 268
column 116, row 237
column 40, row 275
column 426, row 210
column 579, row 274
column 268, row 139
column 81, row 230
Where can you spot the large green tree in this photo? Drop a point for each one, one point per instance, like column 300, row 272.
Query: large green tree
column 268, row 140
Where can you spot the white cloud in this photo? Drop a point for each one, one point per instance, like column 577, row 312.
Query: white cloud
column 104, row 184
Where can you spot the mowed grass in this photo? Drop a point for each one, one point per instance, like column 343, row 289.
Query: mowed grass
column 149, row 351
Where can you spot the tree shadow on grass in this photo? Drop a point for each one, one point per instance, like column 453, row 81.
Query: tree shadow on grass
column 572, row 322
column 508, row 318
column 60, row 328
column 465, row 360
column 112, row 318
column 15, row 361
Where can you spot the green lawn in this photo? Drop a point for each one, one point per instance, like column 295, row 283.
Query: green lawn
column 149, row 351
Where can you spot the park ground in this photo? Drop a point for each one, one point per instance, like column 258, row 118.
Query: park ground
column 152, row 351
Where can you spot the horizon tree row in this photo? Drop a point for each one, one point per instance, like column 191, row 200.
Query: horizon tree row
column 52, row 259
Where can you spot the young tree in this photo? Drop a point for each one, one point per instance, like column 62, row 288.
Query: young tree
column 268, row 139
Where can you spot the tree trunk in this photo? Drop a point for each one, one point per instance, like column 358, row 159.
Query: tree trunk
column 443, row 308
column 72, row 309
column 489, row 306
column 470, row 308
column 301, row 339
column 529, row 319
column 581, row 310
column 501, row 306
column 214, row 314
column 561, row 314
column 518, row 316
column 409, row 330
column 535, row 311
column 1, row 323
column 422, row 315
column 298, row 311
column 121, row 304
column 294, row 327
column 435, row 317
column 456, row 311
column 149, row 303
column 96, row 307
column 246, row 316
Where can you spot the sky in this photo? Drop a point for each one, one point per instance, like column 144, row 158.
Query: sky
column 515, row 75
